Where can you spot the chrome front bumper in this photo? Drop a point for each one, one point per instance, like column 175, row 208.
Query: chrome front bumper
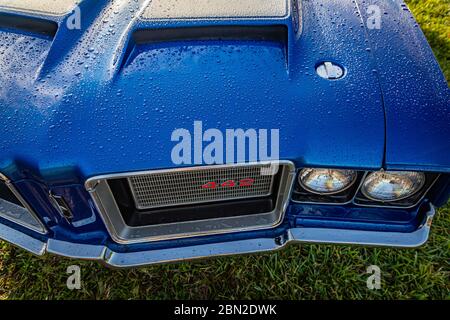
column 295, row 235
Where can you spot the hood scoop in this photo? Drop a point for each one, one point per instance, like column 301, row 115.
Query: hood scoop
column 32, row 25
column 205, row 22
column 261, row 33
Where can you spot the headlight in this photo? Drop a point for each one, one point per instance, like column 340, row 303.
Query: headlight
column 326, row 181
column 392, row 186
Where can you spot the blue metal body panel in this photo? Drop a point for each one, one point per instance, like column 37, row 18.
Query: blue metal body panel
column 416, row 96
column 81, row 109
column 92, row 101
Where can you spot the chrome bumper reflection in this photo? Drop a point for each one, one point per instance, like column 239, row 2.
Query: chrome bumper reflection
column 296, row 235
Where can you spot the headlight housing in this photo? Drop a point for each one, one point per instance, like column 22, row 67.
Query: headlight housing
column 356, row 188
column 389, row 186
column 326, row 181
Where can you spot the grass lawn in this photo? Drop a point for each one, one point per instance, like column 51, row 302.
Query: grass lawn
column 299, row 272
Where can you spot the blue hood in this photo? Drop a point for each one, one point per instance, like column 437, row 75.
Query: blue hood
column 101, row 101
column 416, row 95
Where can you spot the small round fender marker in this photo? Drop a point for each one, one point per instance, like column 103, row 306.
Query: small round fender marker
column 330, row 71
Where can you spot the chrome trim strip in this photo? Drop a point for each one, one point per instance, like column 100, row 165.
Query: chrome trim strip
column 250, row 246
column 74, row 250
column 42, row 229
column 292, row 236
column 22, row 240
column 121, row 233
column 366, row 238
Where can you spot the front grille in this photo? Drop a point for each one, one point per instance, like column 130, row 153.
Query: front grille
column 193, row 186
column 188, row 202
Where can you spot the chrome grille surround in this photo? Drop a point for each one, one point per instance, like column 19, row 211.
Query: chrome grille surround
column 124, row 234
column 182, row 187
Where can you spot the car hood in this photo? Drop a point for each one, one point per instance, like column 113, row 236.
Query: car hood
column 103, row 100
column 416, row 96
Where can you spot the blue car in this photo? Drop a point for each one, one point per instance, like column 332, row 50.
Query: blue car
column 142, row 132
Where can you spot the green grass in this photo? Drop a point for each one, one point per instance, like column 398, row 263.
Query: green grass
column 434, row 19
column 299, row 272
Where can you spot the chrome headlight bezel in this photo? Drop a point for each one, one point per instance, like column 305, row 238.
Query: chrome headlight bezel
column 344, row 196
column 351, row 174
column 407, row 202
column 393, row 175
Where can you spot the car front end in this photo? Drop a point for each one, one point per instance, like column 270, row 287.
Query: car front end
column 140, row 134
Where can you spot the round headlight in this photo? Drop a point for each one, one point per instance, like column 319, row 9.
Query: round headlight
column 326, row 181
column 392, row 186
